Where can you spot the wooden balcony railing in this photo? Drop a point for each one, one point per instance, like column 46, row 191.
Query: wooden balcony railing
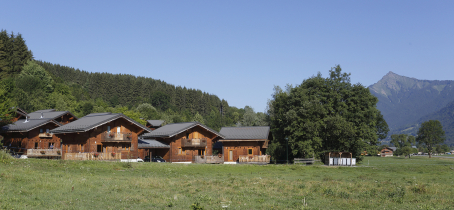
column 43, row 152
column 201, row 142
column 116, row 137
column 208, row 159
column 92, row 156
column 254, row 158
column 45, row 135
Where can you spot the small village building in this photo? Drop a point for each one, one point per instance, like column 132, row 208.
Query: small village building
column 246, row 144
column 339, row 159
column 154, row 124
column 186, row 142
column 30, row 133
column 100, row 136
column 387, row 151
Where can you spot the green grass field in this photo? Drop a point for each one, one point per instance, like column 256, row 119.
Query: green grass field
column 377, row 183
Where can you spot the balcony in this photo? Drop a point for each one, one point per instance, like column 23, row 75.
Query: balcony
column 257, row 159
column 201, row 142
column 45, row 135
column 43, row 152
column 116, row 137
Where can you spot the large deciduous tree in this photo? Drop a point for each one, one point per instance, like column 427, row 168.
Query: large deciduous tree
column 431, row 133
column 325, row 114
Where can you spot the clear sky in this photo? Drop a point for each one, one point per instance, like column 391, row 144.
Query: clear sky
column 238, row 50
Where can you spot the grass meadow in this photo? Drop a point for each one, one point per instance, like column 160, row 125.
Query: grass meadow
column 377, row 183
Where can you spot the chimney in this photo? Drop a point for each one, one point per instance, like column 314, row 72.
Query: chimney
column 42, row 115
column 26, row 119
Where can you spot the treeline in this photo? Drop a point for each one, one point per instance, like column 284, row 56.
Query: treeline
column 35, row 85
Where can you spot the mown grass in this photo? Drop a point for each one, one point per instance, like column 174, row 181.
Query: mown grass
column 377, row 183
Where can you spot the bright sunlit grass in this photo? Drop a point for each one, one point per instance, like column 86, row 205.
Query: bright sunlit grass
column 377, row 183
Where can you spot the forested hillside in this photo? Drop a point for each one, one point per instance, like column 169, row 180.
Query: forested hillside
column 34, row 85
column 444, row 115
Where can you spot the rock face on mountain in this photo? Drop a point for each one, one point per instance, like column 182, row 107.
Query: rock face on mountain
column 404, row 101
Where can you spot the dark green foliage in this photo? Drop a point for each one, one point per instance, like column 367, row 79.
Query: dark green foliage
column 14, row 54
column 430, row 134
column 325, row 114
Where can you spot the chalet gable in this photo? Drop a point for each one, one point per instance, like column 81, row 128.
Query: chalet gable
column 94, row 120
column 174, row 129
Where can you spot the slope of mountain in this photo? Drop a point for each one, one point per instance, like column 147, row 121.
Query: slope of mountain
column 403, row 101
column 444, row 115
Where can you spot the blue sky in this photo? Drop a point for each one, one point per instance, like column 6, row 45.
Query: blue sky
column 238, row 50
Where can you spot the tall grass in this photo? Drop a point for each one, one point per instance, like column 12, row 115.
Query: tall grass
column 379, row 183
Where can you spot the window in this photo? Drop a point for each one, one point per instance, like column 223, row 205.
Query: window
column 47, row 130
column 125, row 146
column 118, row 129
column 36, row 145
column 180, row 151
column 187, row 135
column 40, row 130
column 249, row 151
column 99, row 148
column 51, row 145
column 108, row 129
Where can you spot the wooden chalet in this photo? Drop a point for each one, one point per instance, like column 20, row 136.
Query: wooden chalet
column 181, row 142
column 387, row 152
column 246, row 144
column 31, row 135
column 154, row 124
column 100, row 136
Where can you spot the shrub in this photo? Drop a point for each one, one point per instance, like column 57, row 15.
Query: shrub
column 4, row 155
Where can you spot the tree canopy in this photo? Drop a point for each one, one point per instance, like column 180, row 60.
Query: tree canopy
column 325, row 114
column 430, row 134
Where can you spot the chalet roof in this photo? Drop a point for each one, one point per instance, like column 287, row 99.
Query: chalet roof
column 170, row 130
column 155, row 123
column 94, row 120
column 49, row 113
column 245, row 133
column 24, row 125
column 152, row 143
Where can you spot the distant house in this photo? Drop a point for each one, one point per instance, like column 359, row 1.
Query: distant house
column 31, row 136
column 387, row 151
column 100, row 136
column 180, row 142
column 245, row 144
column 154, row 124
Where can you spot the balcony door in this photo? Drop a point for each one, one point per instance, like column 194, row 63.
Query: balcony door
column 118, row 129
column 230, row 155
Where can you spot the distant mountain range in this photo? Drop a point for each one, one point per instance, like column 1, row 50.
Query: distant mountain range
column 407, row 102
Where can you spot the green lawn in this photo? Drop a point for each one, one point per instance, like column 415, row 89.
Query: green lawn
column 377, row 183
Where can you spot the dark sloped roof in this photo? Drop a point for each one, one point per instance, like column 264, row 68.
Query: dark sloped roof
column 244, row 133
column 170, row 130
column 92, row 121
column 48, row 113
column 152, row 143
column 24, row 126
column 155, row 123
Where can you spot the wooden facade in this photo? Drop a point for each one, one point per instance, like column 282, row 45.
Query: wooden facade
column 185, row 141
column 36, row 139
column 117, row 139
column 234, row 149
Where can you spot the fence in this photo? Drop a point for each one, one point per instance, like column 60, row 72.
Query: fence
column 254, row 158
column 91, row 156
column 208, row 159
column 43, row 152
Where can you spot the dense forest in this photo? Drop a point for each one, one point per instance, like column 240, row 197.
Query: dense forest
column 34, row 85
